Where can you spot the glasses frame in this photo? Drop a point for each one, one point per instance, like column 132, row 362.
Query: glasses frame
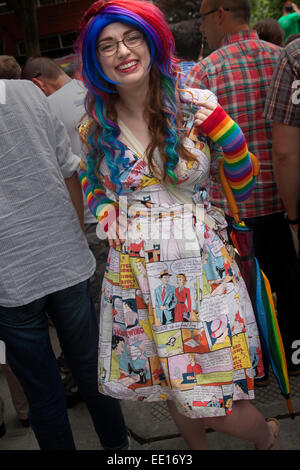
column 124, row 42
column 203, row 15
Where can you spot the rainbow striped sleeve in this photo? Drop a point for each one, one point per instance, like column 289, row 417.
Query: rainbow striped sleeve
column 237, row 162
column 105, row 210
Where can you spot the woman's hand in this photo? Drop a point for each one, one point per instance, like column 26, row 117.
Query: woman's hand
column 206, row 109
column 116, row 233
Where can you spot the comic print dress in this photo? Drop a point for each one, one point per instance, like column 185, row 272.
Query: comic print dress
column 176, row 321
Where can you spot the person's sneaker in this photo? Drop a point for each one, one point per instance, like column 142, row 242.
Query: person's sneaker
column 2, row 430
column 262, row 382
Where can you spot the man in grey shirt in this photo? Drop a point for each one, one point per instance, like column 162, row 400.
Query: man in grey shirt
column 66, row 98
column 45, row 265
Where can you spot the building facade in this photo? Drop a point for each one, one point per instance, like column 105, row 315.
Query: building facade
column 58, row 22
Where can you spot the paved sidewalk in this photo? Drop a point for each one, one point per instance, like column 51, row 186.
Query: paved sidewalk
column 150, row 425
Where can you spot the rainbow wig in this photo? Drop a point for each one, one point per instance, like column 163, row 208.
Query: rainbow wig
column 144, row 16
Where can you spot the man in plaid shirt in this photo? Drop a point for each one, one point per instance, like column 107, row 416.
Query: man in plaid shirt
column 283, row 108
column 239, row 72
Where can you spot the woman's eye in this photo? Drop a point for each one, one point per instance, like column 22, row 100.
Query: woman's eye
column 133, row 38
column 106, row 47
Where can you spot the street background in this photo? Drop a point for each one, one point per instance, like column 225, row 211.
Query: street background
column 150, row 425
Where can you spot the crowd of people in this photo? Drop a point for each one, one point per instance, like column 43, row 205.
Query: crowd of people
column 117, row 232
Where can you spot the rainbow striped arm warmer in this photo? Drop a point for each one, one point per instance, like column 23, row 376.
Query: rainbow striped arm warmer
column 105, row 210
column 221, row 129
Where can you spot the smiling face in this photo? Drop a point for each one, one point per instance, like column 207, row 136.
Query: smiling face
column 165, row 279
column 127, row 66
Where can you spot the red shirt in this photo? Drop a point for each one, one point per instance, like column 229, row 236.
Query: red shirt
column 239, row 73
column 196, row 368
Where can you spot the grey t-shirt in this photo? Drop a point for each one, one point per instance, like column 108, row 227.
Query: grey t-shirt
column 42, row 246
column 68, row 104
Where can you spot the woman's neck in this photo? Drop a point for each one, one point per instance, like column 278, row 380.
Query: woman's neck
column 132, row 102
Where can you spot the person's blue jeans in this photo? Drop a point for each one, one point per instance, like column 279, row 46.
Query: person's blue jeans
column 25, row 333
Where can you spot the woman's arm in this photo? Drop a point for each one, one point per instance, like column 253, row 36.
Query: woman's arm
column 105, row 210
column 286, row 164
column 213, row 121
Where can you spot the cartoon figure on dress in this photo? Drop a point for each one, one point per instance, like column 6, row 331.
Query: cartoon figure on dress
column 131, row 317
column 183, row 295
column 165, row 299
column 142, row 277
column 137, row 139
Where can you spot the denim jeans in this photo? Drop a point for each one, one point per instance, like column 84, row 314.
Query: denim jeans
column 25, row 333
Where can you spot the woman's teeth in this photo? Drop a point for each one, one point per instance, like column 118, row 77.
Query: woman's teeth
column 127, row 66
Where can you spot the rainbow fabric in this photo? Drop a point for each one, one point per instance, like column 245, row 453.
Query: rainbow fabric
column 221, row 129
column 104, row 209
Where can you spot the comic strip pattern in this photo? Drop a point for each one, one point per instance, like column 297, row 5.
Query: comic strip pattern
column 182, row 329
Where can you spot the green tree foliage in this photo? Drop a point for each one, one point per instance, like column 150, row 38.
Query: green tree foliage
column 266, row 8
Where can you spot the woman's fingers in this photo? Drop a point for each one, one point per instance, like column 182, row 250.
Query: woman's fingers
column 209, row 105
column 116, row 233
column 205, row 110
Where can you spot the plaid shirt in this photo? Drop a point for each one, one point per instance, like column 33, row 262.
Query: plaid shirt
column 239, row 73
column 283, row 100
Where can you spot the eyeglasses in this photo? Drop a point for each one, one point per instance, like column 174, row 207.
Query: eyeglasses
column 203, row 15
column 131, row 40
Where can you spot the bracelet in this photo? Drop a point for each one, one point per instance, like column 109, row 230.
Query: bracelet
column 290, row 221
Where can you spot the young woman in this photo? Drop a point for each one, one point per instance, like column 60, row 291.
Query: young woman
column 182, row 296
column 141, row 128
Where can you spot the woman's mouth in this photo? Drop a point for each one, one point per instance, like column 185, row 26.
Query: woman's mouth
column 126, row 67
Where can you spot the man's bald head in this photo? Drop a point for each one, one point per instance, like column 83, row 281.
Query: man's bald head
column 45, row 73
column 9, row 68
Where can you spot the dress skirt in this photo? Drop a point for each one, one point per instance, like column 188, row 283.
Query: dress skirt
column 176, row 321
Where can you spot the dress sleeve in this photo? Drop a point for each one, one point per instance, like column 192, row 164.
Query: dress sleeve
column 104, row 209
column 221, row 129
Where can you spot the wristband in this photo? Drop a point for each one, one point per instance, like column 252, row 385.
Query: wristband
column 290, row 221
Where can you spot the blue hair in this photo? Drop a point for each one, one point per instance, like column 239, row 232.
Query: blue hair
column 90, row 60
column 161, row 46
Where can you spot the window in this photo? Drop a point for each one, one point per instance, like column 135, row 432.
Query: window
column 60, row 42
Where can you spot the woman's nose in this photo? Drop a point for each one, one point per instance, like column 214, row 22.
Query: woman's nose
column 122, row 49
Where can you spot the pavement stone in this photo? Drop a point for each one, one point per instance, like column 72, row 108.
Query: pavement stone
column 150, row 424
